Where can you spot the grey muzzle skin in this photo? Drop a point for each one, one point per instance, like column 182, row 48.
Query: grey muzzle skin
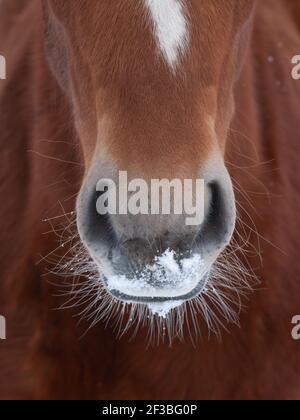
column 116, row 255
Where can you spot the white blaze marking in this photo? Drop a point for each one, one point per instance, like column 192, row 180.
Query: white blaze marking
column 170, row 27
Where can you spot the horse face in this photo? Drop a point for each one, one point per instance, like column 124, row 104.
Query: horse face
column 151, row 84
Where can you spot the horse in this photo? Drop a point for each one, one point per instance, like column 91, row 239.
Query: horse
column 174, row 89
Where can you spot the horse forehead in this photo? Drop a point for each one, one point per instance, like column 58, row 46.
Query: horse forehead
column 170, row 28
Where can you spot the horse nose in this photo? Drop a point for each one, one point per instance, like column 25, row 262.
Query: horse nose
column 128, row 248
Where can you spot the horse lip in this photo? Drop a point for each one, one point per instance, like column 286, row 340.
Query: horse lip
column 146, row 300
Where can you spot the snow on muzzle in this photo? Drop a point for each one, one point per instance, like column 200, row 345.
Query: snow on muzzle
column 156, row 259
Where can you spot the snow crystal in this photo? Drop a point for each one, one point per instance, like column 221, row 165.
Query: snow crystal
column 162, row 309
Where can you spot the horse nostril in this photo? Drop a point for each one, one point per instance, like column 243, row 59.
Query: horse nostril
column 219, row 225
column 95, row 230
